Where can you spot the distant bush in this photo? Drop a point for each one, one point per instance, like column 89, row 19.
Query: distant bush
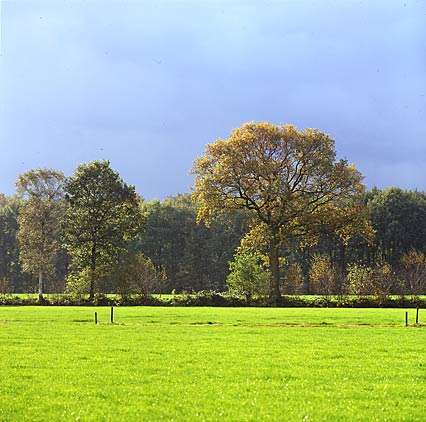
column 293, row 278
column 413, row 273
column 209, row 298
column 248, row 276
column 78, row 283
column 379, row 281
column 136, row 275
column 324, row 277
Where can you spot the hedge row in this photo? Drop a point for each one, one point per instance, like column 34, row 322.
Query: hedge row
column 212, row 298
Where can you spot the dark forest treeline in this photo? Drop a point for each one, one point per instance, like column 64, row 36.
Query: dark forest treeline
column 195, row 257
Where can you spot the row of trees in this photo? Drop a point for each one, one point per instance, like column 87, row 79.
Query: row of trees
column 195, row 257
column 87, row 219
column 298, row 220
column 92, row 233
column 249, row 274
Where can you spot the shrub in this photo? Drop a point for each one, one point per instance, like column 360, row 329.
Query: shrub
column 413, row 273
column 137, row 275
column 377, row 281
column 323, row 275
column 248, row 276
column 360, row 278
column 293, row 278
column 384, row 282
column 78, row 283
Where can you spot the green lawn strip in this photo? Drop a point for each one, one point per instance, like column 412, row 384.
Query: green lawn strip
column 309, row 300
column 171, row 364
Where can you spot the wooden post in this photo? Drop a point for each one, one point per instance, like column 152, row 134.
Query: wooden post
column 417, row 316
column 406, row 319
column 96, row 317
column 112, row 314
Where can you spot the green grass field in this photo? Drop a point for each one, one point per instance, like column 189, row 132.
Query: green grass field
column 209, row 364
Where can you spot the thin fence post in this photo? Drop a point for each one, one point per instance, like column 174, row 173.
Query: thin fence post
column 417, row 316
column 406, row 319
column 112, row 314
column 96, row 317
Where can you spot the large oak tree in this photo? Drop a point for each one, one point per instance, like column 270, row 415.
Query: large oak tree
column 290, row 180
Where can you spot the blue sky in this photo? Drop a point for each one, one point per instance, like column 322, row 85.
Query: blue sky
column 146, row 84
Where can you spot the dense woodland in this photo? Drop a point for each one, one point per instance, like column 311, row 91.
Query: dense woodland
column 255, row 225
column 196, row 257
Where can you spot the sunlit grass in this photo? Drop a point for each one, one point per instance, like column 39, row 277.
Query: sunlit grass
column 211, row 363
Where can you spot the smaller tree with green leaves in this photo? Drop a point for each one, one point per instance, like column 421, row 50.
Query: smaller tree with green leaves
column 103, row 217
column 248, row 276
column 39, row 221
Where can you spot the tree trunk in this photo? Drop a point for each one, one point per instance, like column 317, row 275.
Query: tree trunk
column 92, row 272
column 342, row 264
column 40, row 286
column 274, row 266
column 342, row 255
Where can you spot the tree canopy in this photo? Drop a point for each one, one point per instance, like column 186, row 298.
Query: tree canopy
column 103, row 215
column 39, row 221
column 270, row 194
column 399, row 218
column 289, row 179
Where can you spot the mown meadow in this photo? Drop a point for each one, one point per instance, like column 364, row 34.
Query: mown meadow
column 208, row 364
